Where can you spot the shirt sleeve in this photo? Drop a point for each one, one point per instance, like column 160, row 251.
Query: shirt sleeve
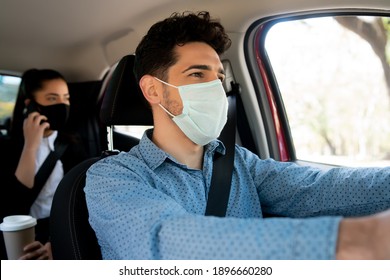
column 134, row 220
column 288, row 189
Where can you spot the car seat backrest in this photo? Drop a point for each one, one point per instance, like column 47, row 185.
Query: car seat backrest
column 123, row 102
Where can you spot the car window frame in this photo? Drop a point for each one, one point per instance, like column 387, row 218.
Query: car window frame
column 3, row 126
column 269, row 98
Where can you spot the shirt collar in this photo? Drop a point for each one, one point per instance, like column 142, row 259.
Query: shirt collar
column 154, row 156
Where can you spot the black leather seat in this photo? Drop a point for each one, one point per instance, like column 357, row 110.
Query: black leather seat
column 72, row 237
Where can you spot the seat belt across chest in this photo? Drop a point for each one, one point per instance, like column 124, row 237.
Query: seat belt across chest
column 219, row 192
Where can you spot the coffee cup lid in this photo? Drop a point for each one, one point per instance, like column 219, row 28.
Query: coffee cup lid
column 17, row 222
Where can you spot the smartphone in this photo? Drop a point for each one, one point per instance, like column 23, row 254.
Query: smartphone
column 31, row 107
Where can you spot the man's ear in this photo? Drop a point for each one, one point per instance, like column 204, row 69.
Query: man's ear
column 149, row 90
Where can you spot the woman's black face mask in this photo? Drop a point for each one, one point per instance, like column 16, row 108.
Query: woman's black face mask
column 57, row 115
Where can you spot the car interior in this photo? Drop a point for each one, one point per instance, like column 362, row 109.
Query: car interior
column 86, row 51
column 92, row 43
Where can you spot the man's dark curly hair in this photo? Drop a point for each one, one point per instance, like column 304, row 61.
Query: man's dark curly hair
column 155, row 53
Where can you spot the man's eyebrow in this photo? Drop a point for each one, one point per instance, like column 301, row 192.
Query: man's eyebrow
column 202, row 67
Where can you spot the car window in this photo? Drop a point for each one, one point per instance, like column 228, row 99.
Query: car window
column 9, row 86
column 333, row 74
column 132, row 130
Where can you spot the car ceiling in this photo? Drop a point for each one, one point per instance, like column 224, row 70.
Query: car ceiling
column 83, row 38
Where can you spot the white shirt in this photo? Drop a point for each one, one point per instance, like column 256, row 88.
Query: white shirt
column 42, row 204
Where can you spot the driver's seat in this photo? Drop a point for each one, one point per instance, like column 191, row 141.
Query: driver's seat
column 72, row 237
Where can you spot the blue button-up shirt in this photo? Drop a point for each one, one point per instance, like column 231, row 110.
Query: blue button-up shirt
column 143, row 204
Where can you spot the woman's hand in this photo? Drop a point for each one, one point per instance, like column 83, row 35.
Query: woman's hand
column 33, row 128
column 37, row 251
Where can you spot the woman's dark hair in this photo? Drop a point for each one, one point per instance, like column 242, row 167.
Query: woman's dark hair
column 155, row 53
column 32, row 81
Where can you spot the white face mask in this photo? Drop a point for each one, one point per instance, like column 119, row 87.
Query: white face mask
column 205, row 108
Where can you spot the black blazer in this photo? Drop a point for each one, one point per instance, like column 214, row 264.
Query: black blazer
column 14, row 196
column 13, row 191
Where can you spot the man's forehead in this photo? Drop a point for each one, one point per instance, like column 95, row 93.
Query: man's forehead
column 197, row 55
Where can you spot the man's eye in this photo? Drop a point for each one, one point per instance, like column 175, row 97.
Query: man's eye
column 197, row 74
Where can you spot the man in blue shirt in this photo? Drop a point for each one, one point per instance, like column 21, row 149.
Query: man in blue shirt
column 149, row 203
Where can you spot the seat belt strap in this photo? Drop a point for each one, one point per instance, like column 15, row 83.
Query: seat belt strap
column 219, row 192
column 46, row 169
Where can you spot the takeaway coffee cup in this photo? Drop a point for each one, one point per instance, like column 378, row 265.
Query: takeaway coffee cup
column 18, row 231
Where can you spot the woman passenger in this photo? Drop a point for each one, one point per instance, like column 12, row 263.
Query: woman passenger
column 38, row 127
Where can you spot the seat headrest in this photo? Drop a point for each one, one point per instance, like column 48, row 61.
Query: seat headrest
column 123, row 102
